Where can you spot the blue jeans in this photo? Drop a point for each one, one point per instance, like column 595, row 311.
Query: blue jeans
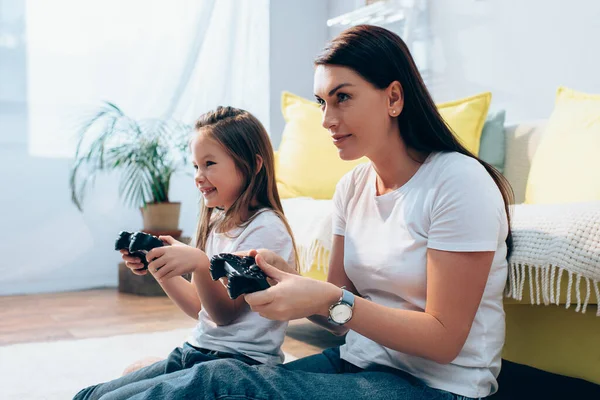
column 320, row 377
column 180, row 359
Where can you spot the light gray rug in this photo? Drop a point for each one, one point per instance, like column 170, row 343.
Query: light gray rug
column 58, row 370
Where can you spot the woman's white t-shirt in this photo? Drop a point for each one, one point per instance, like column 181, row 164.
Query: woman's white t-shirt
column 250, row 334
column 451, row 204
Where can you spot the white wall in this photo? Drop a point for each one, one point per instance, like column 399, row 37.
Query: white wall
column 519, row 50
column 339, row 7
column 298, row 33
column 47, row 245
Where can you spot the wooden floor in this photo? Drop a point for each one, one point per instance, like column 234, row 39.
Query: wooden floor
column 101, row 313
column 106, row 312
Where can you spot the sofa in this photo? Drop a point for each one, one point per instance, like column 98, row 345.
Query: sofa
column 559, row 334
column 549, row 337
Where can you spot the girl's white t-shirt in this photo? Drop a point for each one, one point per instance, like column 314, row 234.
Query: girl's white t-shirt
column 450, row 204
column 250, row 334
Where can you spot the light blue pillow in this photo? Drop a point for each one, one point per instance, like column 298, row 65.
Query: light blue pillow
column 492, row 146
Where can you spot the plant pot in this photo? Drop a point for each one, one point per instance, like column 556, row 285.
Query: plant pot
column 161, row 217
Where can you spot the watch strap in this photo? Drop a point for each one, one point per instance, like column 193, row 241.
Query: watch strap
column 347, row 297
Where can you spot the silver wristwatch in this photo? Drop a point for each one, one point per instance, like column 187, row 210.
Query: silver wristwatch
column 341, row 312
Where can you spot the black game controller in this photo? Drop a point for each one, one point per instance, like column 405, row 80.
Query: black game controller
column 243, row 275
column 138, row 244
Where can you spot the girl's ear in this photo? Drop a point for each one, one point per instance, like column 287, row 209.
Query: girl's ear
column 259, row 163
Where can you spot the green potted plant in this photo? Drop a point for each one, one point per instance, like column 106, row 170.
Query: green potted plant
column 146, row 152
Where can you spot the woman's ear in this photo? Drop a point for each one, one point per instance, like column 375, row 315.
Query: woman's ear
column 259, row 163
column 395, row 98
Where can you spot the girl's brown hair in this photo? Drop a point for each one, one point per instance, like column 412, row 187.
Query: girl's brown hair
column 381, row 57
column 244, row 138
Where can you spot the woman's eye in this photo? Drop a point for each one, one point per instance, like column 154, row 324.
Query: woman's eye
column 342, row 97
column 209, row 163
column 320, row 102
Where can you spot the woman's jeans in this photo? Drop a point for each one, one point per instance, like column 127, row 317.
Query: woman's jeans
column 320, row 377
column 180, row 359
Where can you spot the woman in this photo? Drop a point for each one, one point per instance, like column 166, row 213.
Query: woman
column 418, row 264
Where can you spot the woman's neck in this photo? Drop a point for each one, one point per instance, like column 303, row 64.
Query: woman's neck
column 395, row 164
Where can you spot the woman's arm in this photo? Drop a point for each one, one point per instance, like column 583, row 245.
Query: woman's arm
column 337, row 276
column 455, row 285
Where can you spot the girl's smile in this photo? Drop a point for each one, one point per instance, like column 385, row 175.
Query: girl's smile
column 217, row 177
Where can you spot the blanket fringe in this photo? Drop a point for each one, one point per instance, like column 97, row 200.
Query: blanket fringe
column 312, row 257
column 545, row 286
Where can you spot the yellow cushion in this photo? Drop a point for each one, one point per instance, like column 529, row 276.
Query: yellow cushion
column 307, row 161
column 466, row 118
column 308, row 164
column 566, row 165
column 284, row 191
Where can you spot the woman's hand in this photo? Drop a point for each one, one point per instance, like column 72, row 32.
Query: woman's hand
column 177, row 259
column 274, row 260
column 293, row 296
column 133, row 263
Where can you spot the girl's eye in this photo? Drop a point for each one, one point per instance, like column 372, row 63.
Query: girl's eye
column 320, row 101
column 195, row 167
column 342, row 97
column 209, row 163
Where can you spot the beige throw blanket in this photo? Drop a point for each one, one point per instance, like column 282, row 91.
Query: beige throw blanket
column 552, row 241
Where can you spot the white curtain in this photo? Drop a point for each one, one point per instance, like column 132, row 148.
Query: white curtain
column 152, row 58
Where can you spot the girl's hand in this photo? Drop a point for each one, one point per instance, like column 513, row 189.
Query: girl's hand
column 293, row 296
column 177, row 259
column 170, row 241
column 133, row 263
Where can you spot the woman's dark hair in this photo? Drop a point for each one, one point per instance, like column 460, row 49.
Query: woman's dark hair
column 381, row 57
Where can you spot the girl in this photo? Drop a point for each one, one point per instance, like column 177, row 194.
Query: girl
column 240, row 210
column 419, row 257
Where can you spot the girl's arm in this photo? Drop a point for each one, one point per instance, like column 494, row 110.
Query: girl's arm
column 171, row 262
column 183, row 294
column 455, row 285
column 202, row 291
column 265, row 229
column 179, row 290
column 214, row 297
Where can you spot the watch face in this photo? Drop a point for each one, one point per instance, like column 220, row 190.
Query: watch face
column 341, row 313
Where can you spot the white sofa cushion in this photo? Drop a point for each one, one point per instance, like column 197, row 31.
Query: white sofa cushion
column 521, row 143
